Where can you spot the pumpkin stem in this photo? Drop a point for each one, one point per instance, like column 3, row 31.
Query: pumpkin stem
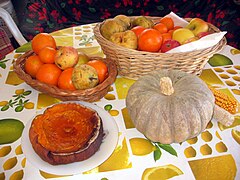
column 166, row 86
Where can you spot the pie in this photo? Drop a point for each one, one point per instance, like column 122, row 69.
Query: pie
column 66, row 133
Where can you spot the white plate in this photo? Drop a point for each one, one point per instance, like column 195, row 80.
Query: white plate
column 106, row 148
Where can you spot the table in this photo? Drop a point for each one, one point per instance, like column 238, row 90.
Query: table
column 212, row 154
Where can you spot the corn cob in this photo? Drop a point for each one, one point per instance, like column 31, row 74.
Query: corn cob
column 224, row 101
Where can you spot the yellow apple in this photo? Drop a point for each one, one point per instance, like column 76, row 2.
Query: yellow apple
column 126, row 39
column 182, row 35
column 191, row 40
column 197, row 25
column 66, row 56
column 82, row 58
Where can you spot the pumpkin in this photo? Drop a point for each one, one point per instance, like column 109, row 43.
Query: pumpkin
column 170, row 105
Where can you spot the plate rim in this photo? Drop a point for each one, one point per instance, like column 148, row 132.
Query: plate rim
column 108, row 145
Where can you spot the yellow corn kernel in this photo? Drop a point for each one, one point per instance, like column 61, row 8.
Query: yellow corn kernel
column 224, row 101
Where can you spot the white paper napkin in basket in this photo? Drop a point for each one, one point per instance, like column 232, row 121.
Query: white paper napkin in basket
column 203, row 43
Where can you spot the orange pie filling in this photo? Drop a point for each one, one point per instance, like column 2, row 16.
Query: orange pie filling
column 65, row 128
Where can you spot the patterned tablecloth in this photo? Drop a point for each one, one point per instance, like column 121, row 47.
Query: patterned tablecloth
column 214, row 154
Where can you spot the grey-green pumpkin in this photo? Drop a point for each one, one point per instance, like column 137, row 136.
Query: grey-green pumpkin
column 170, row 106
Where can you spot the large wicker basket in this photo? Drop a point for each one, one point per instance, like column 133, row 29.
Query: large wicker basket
column 133, row 63
column 90, row 95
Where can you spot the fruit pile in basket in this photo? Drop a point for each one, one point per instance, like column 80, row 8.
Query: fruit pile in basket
column 144, row 34
column 63, row 66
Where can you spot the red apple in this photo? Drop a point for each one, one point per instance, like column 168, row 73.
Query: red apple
column 202, row 34
column 169, row 44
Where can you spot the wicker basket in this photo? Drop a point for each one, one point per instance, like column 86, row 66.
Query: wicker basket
column 133, row 63
column 89, row 95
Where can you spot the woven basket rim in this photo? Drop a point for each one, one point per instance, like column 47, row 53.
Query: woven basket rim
column 52, row 90
column 156, row 19
column 134, row 63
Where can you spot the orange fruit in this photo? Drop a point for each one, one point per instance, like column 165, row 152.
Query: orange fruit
column 47, row 54
column 138, row 30
column 42, row 40
column 166, row 36
column 150, row 40
column 65, row 80
column 32, row 65
column 177, row 27
column 49, row 74
column 162, row 28
column 172, row 30
column 101, row 69
column 168, row 22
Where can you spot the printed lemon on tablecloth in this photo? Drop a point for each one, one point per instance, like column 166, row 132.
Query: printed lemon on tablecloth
column 5, row 150
column 220, row 167
column 190, row 152
column 220, row 60
column 23, row 163
column 17, row 175
column 127, row 120
column 141, row 146
column 18, row 150
column 221, row 147
column 10, row 130
column 48, row 175
column 10, row 163
column 161, row 172
column 235, row 123
column 118, row 160
column 122, row 86
column 210, row 77
column 45, row 100
column 235, row 51
column 13, row 79
column 192, row 140
column 63, row 32
column 236, row 135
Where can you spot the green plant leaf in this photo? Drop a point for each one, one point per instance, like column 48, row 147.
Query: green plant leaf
column 92, row 10
column 26, row 101
column 29, row 20
column 157, row 153
column 160, row 8
column 4, row 108
column 168, row 148
column 63, row 5
column 24, row 48
column 18, row 108
column 3, row 65
column 130, row 11
column 27, row 93
column 20, row 101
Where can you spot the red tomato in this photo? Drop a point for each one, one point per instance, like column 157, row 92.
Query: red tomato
column 101, row 68
column 150, row 40
column 138, row 30
column 166, row 36
column 161, row 27
column 168, row 22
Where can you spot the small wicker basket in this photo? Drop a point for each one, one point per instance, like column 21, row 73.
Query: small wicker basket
column 89, row 95
column 133, row 63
